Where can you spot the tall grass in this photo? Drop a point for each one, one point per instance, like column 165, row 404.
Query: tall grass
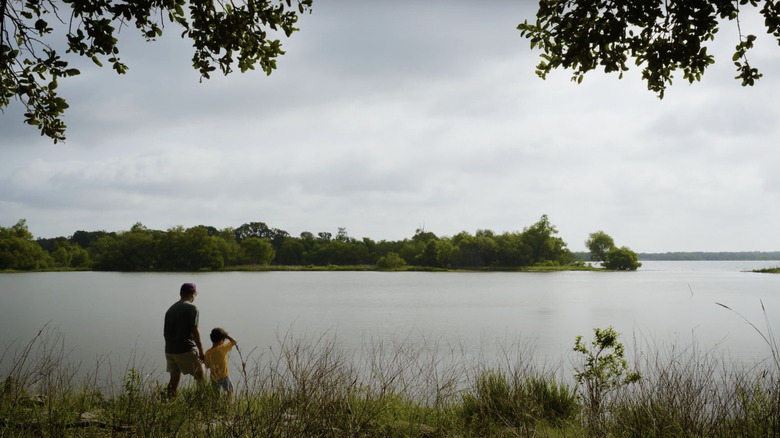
column 311, row 386
column 692, row 393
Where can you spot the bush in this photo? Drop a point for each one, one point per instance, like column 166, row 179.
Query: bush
column 604, row 371
column 495, row 402
column 391, row 261
column 622, row 259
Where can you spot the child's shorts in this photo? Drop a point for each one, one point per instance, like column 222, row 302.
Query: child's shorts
column 224, row 384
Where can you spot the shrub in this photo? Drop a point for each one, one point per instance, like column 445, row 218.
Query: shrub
column 622, row 259
column 391, row 261
column 524, row 402
column 604, row 370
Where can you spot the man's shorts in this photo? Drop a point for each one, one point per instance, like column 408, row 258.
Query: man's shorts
column 224, row 384
column 185, row 363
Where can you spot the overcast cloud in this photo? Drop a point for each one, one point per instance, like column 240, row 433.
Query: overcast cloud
column 388, row 116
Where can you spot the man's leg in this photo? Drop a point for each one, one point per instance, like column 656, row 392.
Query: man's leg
column 173, row 384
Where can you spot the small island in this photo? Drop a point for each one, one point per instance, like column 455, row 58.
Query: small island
column 256, row 246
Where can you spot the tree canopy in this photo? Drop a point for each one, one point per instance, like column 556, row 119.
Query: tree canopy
column 18, row 250
column 224, row 35
column 622, row 259
column 602, row 248
column 256, row 244
column 659, row 36
column 599, row 244
column 39, row 39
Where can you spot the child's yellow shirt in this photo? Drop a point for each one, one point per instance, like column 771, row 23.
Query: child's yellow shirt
column 216, row 360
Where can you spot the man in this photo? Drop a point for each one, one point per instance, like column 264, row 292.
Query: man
column 183, row 350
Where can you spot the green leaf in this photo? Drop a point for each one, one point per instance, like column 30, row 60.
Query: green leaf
column 41, row 25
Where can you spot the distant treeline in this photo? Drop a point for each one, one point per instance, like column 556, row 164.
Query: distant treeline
column 744, row 255
column 252, row 244
column 698, row 256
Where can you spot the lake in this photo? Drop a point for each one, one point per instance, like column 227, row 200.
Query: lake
column 116, row 318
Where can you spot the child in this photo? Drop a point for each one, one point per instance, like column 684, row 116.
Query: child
column 217, row 360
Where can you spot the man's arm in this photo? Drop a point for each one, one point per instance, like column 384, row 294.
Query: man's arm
column 196, row 338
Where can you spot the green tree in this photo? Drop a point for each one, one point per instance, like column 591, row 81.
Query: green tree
column 444, row 253
column 622, row 259
column 190, row 250
column 423, row 236
column 339, row 252
column 411, row 251
column 604, row 369
column 428, row 257
column 291, row 252
column 224, row 35
column 228, row 246
column 105, row 253
column 473, row 251
column 485, row 233
column 659, row 36
column 390, row 261
column 134, row 250
column 315, row 253
column 61, row 257
column 513, row 250
column 78, row 256
column 18, row 250
column 257, row 251
column 138, row 249
column 49, row 244
column 203, row 250
column 252, row 229
column 599, row 244
column 371, row 247
column 545, row 246
column 466, row 251
column 342, row 235
column 86, row 238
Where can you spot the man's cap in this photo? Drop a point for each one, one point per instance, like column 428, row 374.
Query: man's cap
column 188, row 288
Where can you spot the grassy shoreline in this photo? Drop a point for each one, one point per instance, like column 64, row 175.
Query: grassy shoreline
column 374, row 268
column 392, row 388
column 346, row 268
column 253, row 268
column 768, row 270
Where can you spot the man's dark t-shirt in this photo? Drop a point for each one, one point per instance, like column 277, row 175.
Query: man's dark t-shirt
column 180, row 318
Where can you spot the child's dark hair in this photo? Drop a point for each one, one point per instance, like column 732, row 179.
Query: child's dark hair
column 218, row 334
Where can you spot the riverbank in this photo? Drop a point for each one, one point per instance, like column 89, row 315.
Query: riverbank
column 347, row 268
column 315, row 387
column 540, row 268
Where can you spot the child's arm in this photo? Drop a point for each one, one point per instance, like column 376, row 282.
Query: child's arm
column 230, row 338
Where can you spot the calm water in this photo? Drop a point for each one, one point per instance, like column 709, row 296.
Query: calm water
column 118, row 317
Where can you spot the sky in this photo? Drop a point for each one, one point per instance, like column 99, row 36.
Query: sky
column 385, row 117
